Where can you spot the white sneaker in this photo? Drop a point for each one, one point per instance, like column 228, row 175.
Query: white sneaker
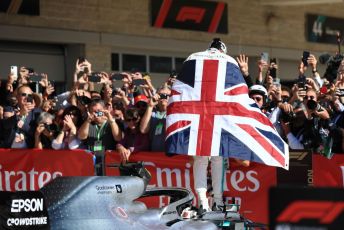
column 204, row 204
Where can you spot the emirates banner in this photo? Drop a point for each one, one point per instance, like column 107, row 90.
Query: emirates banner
column 247, row 185
column 29, row 170
column 329, row 173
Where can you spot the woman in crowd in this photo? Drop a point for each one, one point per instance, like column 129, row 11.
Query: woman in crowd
column 134, row 140
column 70, row 123
column 46, row 131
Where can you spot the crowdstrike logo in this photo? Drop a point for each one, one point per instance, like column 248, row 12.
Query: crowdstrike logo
column 27, row 205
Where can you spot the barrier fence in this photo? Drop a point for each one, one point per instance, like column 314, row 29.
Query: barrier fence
column 30, row 169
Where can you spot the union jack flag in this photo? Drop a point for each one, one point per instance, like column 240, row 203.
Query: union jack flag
column 210, row 114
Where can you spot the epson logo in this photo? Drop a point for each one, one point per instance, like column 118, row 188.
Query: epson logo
column 28, row 205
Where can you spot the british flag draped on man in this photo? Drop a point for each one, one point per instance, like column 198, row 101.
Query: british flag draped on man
column 211, row 114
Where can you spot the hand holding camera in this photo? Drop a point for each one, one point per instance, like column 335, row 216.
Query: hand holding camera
column 312, row 61
column 68, row 124
column 154, row 101
column 39, row 130
column 82, row 65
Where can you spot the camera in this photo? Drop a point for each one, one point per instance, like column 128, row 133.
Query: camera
column 35, row 77
column 99, row 114
column 83, row 100
column 287, row 117
column 94, row 77
column 313, row 105
column 14, row 72
column 29, row 98
column 301, row 82
column 273, row 73
column 117, row 76
column 51, row 127
column 264, row 56
column 305, row 56
column 332, row 67
column 139, row 82
column 116, row 91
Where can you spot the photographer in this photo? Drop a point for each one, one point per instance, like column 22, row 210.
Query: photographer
column 154, row 119
column 305, row 131
column 279, row 106
column 99, row 131
column 46, row 131
column 70, row 123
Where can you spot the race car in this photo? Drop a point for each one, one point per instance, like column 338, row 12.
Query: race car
column 104, row 202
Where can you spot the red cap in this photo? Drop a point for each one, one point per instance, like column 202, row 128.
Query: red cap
column 139, row 98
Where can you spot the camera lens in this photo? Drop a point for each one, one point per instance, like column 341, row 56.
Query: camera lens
column 312, row 105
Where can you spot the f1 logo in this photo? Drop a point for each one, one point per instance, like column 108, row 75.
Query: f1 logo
column 195, row 14
column 210, row 16
column 325, row 211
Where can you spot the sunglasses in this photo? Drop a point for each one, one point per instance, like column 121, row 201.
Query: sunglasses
column 26, row 94
column 309, row 97
column 257, row 99
column 163, row 95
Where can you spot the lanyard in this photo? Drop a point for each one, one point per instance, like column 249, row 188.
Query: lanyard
column 99, row 131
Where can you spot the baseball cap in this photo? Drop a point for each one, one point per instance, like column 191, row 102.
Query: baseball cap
column 139, row 98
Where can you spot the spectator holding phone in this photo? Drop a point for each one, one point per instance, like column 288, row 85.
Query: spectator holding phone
column 154, row 119
column 18, row 131
column 71, row 122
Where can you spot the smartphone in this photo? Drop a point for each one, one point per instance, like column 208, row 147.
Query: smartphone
column 264, row 57
column 277, row 84
column 273, row 72
column 35, row 77
column 29, row 99
column 139, row 82
column 94, row 77
column 305, row 56
column 117, row 76
column 14, row 72
column 301, row 82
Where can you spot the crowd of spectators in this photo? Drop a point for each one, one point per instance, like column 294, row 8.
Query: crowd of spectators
column 125, row 112
column 309, row 113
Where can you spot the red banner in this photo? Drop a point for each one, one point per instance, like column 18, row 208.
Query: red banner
column 248, row 185
column 329, row 173
column 28, row 169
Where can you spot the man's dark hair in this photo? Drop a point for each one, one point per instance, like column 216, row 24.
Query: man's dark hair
column 218, row 44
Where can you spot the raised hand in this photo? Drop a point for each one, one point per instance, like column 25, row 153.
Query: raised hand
column 243, row 64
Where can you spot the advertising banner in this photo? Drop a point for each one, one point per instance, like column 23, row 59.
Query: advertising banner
column 29, row 170
column 328, row 173
column 248, row 186
column 209, row 16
